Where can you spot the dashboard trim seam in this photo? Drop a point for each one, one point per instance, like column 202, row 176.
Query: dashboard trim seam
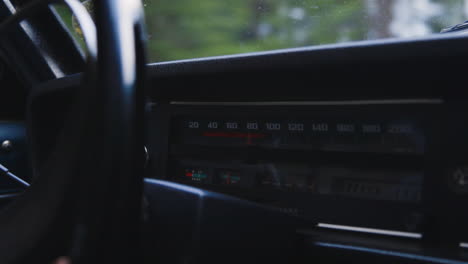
column 370, row 230
column 431, row 101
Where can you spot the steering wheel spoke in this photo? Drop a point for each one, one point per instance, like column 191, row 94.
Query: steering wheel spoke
column 86, row 199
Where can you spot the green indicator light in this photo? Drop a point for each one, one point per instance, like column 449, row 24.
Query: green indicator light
column 200, row 175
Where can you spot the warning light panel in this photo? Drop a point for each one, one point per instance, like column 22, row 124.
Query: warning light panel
column 196, row 175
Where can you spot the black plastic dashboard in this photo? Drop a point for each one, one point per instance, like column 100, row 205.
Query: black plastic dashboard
column 366, row 135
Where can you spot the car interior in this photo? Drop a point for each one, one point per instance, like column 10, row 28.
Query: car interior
column 345, row 152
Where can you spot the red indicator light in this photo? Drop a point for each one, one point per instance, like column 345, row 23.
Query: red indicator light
column 229, row 177
column 188, row 174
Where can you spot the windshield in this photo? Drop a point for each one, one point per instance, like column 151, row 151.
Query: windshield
column 185, row 29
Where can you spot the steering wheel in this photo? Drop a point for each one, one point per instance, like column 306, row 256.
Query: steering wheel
column 86, row 199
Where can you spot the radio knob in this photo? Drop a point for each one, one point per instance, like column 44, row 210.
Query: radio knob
column 458, row 181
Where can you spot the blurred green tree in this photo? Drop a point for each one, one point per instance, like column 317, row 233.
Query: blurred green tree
column 186, row 29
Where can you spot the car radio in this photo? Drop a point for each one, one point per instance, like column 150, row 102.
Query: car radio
column 360, row 163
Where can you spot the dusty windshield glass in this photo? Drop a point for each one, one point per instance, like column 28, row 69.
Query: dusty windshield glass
column 185, row 29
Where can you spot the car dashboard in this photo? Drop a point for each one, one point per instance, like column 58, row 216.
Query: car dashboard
column 357, row 147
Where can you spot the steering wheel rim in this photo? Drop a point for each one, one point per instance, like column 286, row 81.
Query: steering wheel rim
column 86, row 199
